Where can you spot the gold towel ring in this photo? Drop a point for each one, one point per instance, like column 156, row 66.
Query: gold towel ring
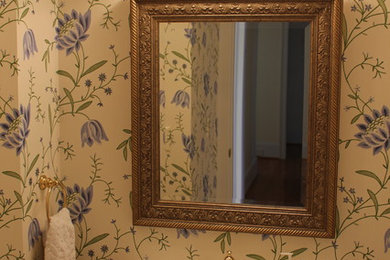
column 46, row 182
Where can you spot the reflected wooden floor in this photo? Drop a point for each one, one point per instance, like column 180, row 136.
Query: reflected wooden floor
column 278, row 181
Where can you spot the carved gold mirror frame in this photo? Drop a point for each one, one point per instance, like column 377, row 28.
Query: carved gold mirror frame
column 317, row 218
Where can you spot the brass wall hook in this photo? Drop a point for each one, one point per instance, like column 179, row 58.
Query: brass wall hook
column 48, row 183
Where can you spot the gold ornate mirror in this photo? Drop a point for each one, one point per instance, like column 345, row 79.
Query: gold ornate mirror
column 235, row 115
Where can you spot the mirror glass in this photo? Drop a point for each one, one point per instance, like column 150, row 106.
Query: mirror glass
column 234, row 111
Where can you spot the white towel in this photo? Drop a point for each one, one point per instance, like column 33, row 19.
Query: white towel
column 60, row 240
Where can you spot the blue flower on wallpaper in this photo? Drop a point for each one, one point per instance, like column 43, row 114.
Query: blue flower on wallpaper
column 387, row 240
column 204, row 39
column 162, row 98
column 216, row 126
column 191, row 34
column 181, row 98
column 34, row 233
column 265, row 236
column 29, row 44
column 202, row 145
column 104, row 248
column 16, row 129
column 80, row 207
column 71, row 31
column 189, row 144
column 92, row 131
column 375, row 131
column 187, row 232
column 205, row 186
column 206, row 84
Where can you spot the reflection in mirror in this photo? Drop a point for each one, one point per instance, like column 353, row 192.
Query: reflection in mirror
column 233, row 111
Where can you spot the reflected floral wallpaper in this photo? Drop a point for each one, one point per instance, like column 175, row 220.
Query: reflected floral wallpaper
column 205, row 54
column 65, row 112
column 188, row 123
column 177, row 143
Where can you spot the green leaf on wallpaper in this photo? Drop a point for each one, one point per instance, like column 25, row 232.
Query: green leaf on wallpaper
column 19, row 198
column 162, row 56
column 369, row 174
column 187, row 81
column 345, row 30
column 178, row 54
column 29, row 207
column 354, row 97
column 25, row 12
column 125, row 154
column 66, row 74
column 179, row 168
column 69, row 95
column 355, row 118
column 347, row 143
column 228, row 238
column 385, row 212
column 337, row 222
column 257, row 257
column 83, row 106
column 13, row 175
column 298, row 251
column 34, row 161
column 96, row 239
column 94, row 67
column 123, row 144
column 374, row 200
column 221, row 236
column 186, row 192
column 127, row 131
column 50, row 119
column 384, row 9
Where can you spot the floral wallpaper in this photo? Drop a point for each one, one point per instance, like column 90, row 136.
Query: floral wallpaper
column 65, row 112
column 177, row 143
column 205, row 54
column 189, row 80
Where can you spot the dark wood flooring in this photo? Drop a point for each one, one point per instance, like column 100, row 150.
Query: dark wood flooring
column 279, row 182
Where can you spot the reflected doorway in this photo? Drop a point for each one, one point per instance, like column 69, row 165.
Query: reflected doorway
column 271, row 89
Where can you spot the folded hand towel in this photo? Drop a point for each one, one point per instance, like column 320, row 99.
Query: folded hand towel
column 60, row 240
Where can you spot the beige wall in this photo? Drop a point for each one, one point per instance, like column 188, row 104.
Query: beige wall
column 225, row 112
column 271, row 81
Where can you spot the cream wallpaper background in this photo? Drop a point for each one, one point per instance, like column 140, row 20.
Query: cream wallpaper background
column 65, row 112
